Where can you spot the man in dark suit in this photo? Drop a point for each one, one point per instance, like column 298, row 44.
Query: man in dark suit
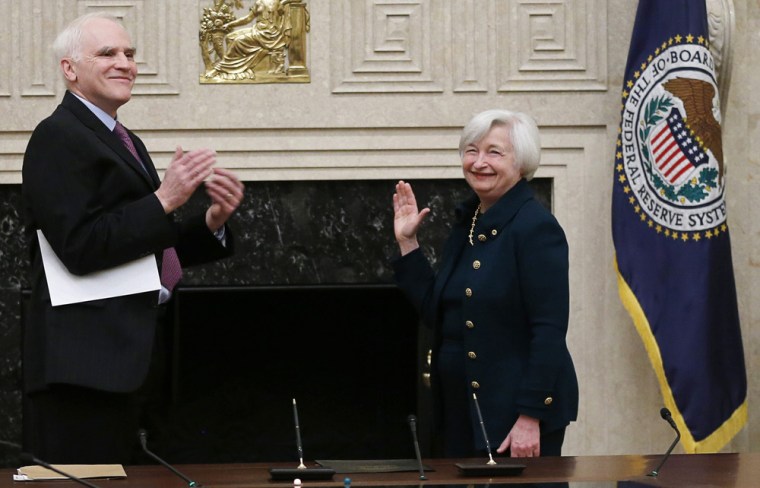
column 91, row 188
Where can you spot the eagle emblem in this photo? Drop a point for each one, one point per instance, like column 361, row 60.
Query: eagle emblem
column 670, row 164
column 697, row 98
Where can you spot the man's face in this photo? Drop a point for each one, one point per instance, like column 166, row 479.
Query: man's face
column 105, row 69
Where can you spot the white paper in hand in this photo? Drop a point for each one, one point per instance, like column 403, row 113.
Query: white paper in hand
column 136, row 276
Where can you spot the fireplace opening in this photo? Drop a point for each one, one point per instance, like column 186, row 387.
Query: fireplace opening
column 349, row 354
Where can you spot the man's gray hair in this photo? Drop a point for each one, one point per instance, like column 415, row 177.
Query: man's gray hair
column 68, row 44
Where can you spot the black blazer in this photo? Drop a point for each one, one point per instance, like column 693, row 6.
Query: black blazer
column 515, row 320
column 95, row 205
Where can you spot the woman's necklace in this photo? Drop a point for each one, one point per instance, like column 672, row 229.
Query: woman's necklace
column 472, row 227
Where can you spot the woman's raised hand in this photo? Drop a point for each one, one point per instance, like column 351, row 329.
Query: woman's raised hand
column 406, row 217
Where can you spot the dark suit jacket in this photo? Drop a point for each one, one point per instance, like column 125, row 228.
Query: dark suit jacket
column 95, row 205
column 518, row 312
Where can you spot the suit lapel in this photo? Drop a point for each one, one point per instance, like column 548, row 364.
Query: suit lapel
column 111, row 140
column 508, row 205
column 144, row 156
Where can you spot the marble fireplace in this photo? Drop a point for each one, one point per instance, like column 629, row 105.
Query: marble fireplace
column 305, row 309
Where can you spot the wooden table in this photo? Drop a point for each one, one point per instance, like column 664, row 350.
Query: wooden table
column 740, row 470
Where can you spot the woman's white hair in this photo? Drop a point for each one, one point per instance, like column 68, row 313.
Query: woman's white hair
column 68, row 44
column 523, row 135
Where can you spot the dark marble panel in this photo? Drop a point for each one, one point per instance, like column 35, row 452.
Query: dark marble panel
column 326, row 232
column 10, row 374
column 313, row 233
column 13, row 253
column 13, row 263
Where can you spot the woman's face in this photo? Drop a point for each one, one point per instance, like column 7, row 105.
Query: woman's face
column 489, row 166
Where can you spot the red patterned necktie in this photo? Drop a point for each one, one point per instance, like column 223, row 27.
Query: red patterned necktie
column 171, row 269
column 120, row 131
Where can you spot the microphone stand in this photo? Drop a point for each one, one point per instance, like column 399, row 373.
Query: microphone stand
column 144, row 443
column 665, row 414
column 413, row 426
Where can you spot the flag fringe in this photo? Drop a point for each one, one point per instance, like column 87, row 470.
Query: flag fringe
column 718, row 438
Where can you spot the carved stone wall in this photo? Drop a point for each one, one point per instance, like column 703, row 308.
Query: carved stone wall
column 392, row 83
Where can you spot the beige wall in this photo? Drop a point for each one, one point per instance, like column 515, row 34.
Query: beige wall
column 391, row 85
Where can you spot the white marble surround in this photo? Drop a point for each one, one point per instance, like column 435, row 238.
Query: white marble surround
column 392, row 82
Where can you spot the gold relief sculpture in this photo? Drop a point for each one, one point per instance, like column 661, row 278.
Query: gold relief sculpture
column 271, row 48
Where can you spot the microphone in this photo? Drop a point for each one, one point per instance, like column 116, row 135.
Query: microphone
column 413, row 426
column 28, row 458
column 144, row 443
column 665, row 414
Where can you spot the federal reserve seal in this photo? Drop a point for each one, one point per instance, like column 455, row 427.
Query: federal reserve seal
column 669, row 159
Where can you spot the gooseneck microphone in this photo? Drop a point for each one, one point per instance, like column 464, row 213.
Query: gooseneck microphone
column 28, row 458
column 665, row 414
column 413, row 426
column 144, row 443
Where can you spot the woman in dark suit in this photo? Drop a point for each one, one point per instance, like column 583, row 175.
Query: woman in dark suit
column 498, row 304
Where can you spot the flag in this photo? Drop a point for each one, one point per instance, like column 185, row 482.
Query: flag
column 669, row 223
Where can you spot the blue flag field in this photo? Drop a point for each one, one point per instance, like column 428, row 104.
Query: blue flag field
column 669, row 223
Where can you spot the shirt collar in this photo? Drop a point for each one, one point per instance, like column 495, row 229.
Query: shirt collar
column 109, row 121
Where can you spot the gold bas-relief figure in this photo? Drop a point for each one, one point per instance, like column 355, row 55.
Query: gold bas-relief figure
column 272, row 49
